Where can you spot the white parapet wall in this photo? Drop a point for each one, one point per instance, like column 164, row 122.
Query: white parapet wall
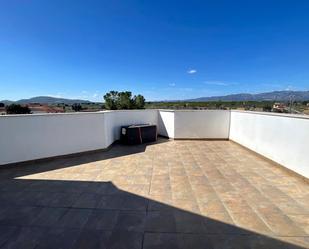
column 202, row 124
column 281, row 138
column 37, row 136
column 29, row 137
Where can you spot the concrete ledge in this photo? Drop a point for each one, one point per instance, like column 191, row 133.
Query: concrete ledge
column 286, row 115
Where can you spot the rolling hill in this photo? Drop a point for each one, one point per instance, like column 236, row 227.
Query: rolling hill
column 46, row 100
column 267, row 96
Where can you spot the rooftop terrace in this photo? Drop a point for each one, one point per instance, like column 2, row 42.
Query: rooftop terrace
column 170, row 194
column 206, row 194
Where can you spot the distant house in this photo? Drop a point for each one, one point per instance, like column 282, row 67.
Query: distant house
column 279, row 107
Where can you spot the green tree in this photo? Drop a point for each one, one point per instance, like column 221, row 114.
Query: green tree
column 111, row 100
column 17, row 109
column 139, row 101
column 2, row 105
column 76, row 107
column 123, row 100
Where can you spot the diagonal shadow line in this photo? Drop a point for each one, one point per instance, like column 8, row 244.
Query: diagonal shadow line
column 47, row 164
column 86, row 214
column 43, row 165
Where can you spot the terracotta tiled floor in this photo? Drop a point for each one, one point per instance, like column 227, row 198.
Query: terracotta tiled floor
column 171, row 194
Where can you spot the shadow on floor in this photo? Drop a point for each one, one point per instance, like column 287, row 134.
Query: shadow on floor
column 86, row 214
column 39, row 166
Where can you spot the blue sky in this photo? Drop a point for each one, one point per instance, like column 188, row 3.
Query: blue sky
column 161, row 49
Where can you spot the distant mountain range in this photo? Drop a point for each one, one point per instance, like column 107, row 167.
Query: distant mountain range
column 268, row 96
column 46, row 100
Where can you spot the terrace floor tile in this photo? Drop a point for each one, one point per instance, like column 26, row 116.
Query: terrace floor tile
column 168, row 194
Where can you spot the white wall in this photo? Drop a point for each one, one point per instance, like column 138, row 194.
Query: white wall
column 211, row 124
column 282, row 139
column 166, row 123
column 28, row 137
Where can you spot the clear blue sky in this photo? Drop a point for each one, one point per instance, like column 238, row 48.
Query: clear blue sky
column 161, row 49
